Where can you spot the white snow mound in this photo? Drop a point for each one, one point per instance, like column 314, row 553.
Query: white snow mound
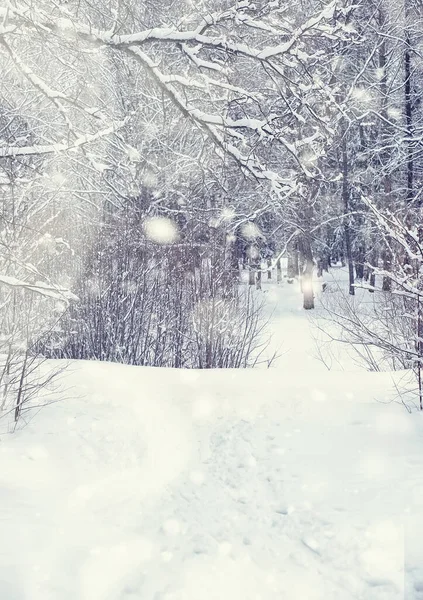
column 285, row 487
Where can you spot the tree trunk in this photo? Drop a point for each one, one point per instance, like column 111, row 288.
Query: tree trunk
column 290, row 268
column 366, row 273
column 278, row 271
column 307, row 276
column 258, row 279
column 325, row 261
column 346, row 202
column 251, row 274
column 269, row 268
column 409, row 103
column 387, row 263
column 319, row 267
column 233, row 260
column 387, row 134
column 359, row 265
column 293, row 266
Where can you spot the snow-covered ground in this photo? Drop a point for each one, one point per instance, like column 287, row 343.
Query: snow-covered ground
column 289, row 483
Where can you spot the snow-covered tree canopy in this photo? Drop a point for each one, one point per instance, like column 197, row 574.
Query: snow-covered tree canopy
column 299, row 122
column 254, row 78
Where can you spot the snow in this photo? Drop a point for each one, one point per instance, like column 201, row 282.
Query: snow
column 161, row 230
column 39, row 287
column 78, row 142
column 251, row 231
column 154, row 484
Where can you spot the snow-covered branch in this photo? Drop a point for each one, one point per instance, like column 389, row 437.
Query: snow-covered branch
column 40, row 149
column 44, row 289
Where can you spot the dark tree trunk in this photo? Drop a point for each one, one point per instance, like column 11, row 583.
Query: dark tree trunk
column 258, row 279
column 278, row 271
column 359, row 265
column 319, row 267
column 366, row 274
column 373, row 260
column 409, row 105
column 293, row 268
column 233, row 258
column 307, row 275
column 387, row 263
column 325, row 261
column 346, row 202
column 251, row 273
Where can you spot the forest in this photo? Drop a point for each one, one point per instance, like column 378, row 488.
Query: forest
column 151, row 151
column 211, row 299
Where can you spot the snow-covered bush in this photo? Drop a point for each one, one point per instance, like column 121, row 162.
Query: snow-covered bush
column 385, row 327
column 160, row 290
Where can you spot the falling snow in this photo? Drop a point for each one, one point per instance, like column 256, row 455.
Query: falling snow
column 161, row 230
column 211, row 274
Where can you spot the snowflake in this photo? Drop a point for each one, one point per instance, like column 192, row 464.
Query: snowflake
column 161, row 230
column 250, row 231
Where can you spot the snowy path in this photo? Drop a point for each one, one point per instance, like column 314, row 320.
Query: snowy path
column 287, row 483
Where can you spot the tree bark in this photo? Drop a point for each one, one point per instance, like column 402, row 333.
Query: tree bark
column 372, row 276
column 387, row 263
column 409, row 103
column 359, row 265
column 293, row 269
column 251, row 274
column 307, row 275
column 346, row 203
column 278, row 271
column 258, row 279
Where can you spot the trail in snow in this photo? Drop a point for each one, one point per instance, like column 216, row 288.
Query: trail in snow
column 296, row 338
column 293, row 482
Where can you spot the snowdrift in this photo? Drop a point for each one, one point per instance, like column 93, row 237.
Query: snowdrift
column 241, row 485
